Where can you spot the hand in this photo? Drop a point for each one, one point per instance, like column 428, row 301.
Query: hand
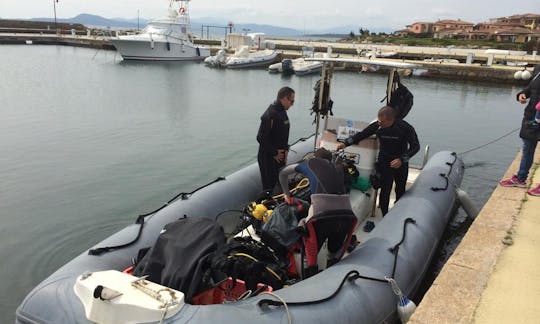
column 522, row 98
column 341, row 146
column 281, row 156
column 396, row 163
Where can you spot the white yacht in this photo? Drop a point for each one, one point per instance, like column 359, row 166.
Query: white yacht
column 166, row 39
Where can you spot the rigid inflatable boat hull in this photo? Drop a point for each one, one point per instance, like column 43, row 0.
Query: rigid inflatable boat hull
column 361, row 301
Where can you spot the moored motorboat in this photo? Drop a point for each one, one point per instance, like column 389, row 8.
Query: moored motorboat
column 394, row 257
column 166, row 39
column 243, row 57
column 299, row 66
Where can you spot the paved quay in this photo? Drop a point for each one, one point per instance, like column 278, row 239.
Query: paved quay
column 494, row 274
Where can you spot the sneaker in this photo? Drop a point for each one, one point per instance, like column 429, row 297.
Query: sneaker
column 535, row 191
column 513, row 182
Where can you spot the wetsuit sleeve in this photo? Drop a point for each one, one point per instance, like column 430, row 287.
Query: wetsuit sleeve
column 284, row 177
column 263, row 136
column 527, row 90
column 414, row 144
column 365, row 133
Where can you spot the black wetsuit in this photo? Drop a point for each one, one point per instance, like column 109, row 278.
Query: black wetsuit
column 273, row 135
column 397, row 141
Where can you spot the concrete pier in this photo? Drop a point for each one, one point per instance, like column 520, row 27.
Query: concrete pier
column 493, row 275
column 478, row 70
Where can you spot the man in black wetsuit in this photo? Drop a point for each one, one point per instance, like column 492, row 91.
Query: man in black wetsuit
column 398, row 142
column 273, row 138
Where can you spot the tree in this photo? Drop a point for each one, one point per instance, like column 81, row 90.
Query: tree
column 352, row 35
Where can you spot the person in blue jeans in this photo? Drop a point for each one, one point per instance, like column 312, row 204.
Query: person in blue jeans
column 529, row 133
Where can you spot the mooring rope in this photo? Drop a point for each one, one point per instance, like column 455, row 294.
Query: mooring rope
column 490, row 142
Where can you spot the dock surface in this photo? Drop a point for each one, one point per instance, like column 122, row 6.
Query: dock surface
column 493, row 275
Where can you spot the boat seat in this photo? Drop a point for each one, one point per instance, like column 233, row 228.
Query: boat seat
column 332, row 220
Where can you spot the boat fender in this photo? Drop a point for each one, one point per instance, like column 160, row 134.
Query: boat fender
column 105, row 293
column 198, row 51
column 517, row 75
column 152, row 43
column 466, row 203
column 405, row 306
column 168, row 46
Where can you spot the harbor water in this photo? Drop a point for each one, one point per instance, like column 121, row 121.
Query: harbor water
column 90, row 141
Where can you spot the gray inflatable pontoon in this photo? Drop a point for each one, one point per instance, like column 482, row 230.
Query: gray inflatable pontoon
column 417, row 220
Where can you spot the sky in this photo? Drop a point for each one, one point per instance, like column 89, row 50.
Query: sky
column 298, row 14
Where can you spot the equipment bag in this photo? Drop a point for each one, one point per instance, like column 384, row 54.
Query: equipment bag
column 178, row 258
column 281, row 230
column 401, row 100
column 246, row 259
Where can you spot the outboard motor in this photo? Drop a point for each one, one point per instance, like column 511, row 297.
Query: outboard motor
column 286, row 66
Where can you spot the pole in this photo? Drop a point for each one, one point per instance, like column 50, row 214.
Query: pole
column 137, row 19
column 55, row 26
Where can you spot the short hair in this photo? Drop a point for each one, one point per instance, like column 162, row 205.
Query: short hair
column 323, row 153
column 387, row 112
column 284, row 92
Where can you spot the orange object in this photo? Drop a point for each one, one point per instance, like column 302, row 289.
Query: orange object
column 225, row 292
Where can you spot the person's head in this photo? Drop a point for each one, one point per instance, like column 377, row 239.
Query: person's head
column 285, row 96
column 323, row 153
column 386, row 116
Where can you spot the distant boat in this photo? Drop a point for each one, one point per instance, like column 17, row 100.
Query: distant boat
column 377, row 53
column 165, row 39
column 512, row 63
column 299, row 66
column 441, row 60
column 242, row 58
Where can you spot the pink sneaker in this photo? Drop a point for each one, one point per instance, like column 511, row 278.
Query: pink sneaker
column 513, row 182
column 535, row 191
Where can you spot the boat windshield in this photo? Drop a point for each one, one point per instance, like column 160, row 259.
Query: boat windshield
column 165, row 29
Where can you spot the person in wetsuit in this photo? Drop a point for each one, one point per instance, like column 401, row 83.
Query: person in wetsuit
column 398, row 142
column 273, row 138
column 324, row 176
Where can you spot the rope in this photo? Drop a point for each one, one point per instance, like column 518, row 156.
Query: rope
column 140, row 220
column 302, row 139
column 395, row 248
column 445, row 176
column 491, row 142
column 289, row 319
column 105, row 249
column 349, row 275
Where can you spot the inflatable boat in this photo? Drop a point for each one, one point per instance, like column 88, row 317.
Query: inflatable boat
column 417, row 221
column 368, row 285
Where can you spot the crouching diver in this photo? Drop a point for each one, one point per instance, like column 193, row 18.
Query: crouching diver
column 324, row 176
column 398, row 142
column 328, row 203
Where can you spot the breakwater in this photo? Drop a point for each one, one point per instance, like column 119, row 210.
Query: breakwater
column 453, row 63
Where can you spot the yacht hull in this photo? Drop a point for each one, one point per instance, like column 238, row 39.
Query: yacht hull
column 159, row 50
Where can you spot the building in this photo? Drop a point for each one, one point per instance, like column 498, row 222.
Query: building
column 448, row 24
column 513, row 29
column 421, row 28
